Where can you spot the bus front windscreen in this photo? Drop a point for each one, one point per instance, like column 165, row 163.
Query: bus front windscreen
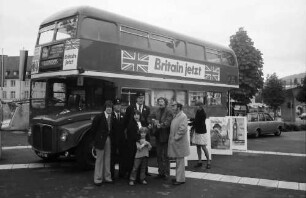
column 62, row 29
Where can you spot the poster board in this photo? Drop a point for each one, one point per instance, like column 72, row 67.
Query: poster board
column 220, row 135
column 238, row 126
column 193, row 149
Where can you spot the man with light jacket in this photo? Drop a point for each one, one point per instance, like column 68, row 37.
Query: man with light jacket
column 178, row 146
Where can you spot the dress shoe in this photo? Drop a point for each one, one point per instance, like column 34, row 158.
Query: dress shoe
column 97, row 184
column 178, row 183
column 109, row 181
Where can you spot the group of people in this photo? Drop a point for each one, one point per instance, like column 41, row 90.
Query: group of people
column 125, row 139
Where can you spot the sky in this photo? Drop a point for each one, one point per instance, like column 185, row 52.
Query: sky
column 277, row 27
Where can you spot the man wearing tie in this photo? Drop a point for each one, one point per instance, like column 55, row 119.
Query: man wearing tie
column 102, row 128
column 119, row 142
column 140, row 106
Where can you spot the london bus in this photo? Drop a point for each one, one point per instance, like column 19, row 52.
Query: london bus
column 84, row 56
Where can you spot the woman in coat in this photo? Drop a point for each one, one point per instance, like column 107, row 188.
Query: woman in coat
column 178, row 146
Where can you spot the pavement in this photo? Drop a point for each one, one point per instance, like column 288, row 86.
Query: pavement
column 272, row 167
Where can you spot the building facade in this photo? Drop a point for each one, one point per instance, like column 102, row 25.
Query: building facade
column 13, row 89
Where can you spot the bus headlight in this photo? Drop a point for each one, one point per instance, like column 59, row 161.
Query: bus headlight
column 64, row 136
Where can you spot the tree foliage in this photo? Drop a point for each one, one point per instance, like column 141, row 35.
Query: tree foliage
column 301, row 96
column 273, row 93
column 250, row 63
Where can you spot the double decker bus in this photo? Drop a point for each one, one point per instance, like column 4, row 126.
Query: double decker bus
column 84, row 56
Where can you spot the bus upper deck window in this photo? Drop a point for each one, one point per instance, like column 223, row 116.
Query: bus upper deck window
column 213, row 56
column 66, row 28
column 228, row 59
column 46, row 34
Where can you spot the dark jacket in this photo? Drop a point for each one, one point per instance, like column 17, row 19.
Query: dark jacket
column 101, row 131
column 132, row 131
column 117, row 135
column 199, row 122
column 164, row 116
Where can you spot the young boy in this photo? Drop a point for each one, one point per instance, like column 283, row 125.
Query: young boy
column 141, row 157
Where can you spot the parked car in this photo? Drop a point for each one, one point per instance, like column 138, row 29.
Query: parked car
column 262, row 123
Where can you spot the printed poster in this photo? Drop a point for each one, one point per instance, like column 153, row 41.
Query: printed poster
column 71, row 54
column 220, row 135
column 193, row 148
column 239, row 132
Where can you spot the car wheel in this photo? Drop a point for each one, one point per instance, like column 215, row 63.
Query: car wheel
column 85, row 153
column 278, row 132
column 257, row 133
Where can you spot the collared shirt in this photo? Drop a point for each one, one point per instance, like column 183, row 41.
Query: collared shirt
column 137, row 106
column 117, row 115
column 107, row 116
column 139, row 124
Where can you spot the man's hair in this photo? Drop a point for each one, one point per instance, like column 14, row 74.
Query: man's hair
column 107, row 104
column 179, row 105
column 164, row 99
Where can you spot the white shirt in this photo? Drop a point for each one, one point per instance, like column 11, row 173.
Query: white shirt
column 137, row 106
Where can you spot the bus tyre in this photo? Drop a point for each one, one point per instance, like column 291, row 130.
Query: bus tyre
column 85, row 153
column 47, row 157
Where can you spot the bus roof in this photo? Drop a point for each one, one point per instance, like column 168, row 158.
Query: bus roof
column 108, row 16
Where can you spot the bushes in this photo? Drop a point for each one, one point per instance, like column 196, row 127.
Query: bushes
column 294, row 127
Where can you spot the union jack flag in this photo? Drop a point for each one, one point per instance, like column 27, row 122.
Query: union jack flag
column 212, row 73
column 134, row 61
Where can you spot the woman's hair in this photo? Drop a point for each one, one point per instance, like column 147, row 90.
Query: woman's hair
column 137, row 112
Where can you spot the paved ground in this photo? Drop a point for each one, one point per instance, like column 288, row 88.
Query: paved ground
column 243, row 174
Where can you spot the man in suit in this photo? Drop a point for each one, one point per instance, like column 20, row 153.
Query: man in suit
column 119, row 142
column 140, row 106
column 178, row 146
column 102, row 128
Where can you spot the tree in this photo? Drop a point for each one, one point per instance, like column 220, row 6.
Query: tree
column 301, row 96
column 273, row 93
column 250, row 65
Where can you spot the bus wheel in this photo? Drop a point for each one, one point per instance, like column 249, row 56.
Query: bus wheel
column 47, row 157
column 85, row 153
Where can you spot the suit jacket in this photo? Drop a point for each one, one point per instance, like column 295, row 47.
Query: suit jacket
column 144, row 115
column 101, row 131
column 117, row 134
column 178, row 145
